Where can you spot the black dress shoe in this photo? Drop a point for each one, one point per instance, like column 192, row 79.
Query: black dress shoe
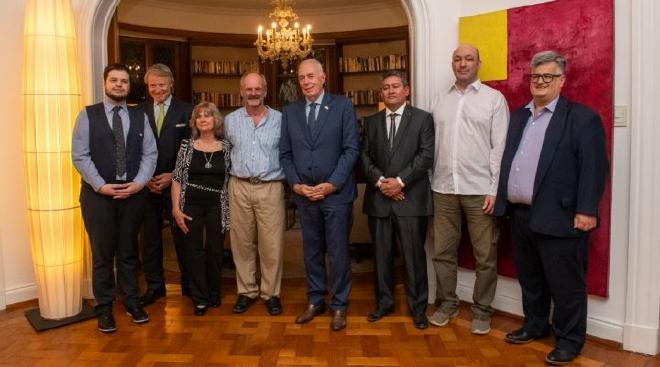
column 309, row 314
column 149, row 297
column 560, row 357
column 522, row 336
column 242, row 303
column 106, row 323
column 274, row 306
column 379, row 313
column 421, row 322
column 200, row 310
column 138, row 315
column 338, row 321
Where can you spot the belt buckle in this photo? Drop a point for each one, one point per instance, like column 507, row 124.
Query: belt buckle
column 254, row 180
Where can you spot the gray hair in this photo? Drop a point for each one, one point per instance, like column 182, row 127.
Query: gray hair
column 159, row 70
column 264, row 84
column 397, row 73
column 544, row 57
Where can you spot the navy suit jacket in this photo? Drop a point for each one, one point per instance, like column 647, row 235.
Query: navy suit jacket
column 327, row 156
column 410, row 158
column 571, row 172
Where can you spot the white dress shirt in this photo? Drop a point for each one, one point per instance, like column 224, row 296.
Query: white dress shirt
column 166, row 104
column 397, row 123
column 470, row 134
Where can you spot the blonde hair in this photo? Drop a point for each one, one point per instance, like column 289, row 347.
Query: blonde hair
column 207, row 108
column 159, row 70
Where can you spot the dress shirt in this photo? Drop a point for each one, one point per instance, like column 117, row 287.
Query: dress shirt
column 470, row 129
column 388, row 122
column 318, row 102
column 166, row 104
column 255, row 149
column 81, row 154
column 523, row 168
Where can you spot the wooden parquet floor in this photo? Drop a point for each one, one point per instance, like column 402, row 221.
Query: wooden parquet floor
column 175, row 337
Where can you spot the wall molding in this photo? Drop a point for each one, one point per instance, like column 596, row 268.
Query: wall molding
column 25, row 292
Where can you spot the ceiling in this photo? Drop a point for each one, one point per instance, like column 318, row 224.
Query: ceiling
column 266, row 4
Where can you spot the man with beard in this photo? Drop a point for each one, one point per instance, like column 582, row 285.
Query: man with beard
column 256, row 196
column 169, row 118
column 115, row 153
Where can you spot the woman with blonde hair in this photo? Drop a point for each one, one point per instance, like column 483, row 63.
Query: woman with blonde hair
column 200, row 203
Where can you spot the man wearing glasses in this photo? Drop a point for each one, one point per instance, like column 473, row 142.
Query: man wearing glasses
column 552, row 177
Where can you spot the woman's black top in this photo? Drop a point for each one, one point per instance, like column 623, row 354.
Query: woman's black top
column 205, row 178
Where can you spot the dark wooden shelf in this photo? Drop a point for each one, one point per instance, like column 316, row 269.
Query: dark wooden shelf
column 219, row 76
column 366, row 72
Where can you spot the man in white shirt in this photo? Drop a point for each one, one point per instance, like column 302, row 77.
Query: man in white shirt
column 471, row 121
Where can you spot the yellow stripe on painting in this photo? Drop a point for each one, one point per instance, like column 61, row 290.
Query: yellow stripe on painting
column 487, row 32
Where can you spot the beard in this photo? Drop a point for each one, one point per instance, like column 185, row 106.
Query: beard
column 116, row 97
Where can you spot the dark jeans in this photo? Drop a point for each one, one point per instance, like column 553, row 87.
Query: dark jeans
column 113, row 226
column 204, row 243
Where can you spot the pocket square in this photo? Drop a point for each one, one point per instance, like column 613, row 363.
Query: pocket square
column 180, row 125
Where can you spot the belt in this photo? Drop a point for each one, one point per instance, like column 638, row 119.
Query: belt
column 254, row 180
column 519, row 206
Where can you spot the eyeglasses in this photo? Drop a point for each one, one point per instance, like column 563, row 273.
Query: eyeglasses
column 546, row 78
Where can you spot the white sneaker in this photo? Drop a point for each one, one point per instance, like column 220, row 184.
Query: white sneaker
column 441, row 318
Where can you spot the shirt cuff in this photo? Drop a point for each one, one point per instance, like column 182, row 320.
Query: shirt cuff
column 380, row 181
column 400, row 182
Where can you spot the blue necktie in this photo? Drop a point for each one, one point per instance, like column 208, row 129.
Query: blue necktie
column 311, row 117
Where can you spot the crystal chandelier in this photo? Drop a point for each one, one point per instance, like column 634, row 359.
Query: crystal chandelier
column 281, row 41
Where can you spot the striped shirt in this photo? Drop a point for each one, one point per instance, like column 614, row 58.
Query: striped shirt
column 255, row 150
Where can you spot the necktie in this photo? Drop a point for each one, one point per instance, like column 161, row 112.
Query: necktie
column 161, row 117
column 311, row 116
column 120, row 145
column 392, row 128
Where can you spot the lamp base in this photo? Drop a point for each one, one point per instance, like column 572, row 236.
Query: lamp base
column 40, row 324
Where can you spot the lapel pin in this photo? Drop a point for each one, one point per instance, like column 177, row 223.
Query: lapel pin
column 326, row 107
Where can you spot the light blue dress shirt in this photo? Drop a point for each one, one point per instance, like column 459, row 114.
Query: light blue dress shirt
column 318, row 105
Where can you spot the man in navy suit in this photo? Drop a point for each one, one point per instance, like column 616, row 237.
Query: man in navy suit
column 169, row 118
column 552, row 178
column 318, row 149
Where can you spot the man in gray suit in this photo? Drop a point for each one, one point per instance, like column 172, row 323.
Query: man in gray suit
column 397, row 153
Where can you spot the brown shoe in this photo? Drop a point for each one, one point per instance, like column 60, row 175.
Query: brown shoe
column 309, row 314
column 338, row 320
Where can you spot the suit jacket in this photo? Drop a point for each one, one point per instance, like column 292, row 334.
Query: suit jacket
column 326, row 156
column 175, row 128
column 410, row 158
column 571, row 172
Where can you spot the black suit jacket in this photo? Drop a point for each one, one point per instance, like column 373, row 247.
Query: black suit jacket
column 176, row 127
column 571, row 172
column 410, row 158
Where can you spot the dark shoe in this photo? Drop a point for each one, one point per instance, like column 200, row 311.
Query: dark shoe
column 379, row 313
column 242, row 303
column 216, row 304
column 309, row 314
column 521, row 336
column 560, row 357
column 421, row 322
column 200, row 310
column 149, row 297
column 274, row 306
column 138, row 314
column 107, row 323
column 338, row 320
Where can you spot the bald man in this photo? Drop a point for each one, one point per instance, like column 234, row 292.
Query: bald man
column 318, row 149
column 471, row 121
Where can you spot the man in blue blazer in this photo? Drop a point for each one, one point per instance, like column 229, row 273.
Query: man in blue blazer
column 552, row 178
column 319, row 146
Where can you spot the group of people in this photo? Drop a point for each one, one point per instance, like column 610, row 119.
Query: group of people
column 544, row 166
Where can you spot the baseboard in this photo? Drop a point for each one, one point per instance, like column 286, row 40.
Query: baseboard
column 641, row 339
column 21, row 294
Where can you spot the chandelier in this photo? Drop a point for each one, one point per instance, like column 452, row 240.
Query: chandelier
column 281, row 41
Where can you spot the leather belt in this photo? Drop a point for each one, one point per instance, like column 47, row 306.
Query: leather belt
column 254, row 180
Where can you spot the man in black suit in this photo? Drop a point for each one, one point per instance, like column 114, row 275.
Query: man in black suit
column 397, row 153
column 169, row 118
column 552, row 178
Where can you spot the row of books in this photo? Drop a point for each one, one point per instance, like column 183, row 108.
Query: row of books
column 361, row 97
column 224, row 67
column 372, row 63
column 219, row 99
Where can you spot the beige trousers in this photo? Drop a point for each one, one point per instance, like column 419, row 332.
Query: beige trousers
column 257, row 231
column 484, row 233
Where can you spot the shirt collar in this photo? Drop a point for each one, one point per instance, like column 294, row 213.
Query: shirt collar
column 549, row 107
column 109, row 104
column 166, row 102
column 399, row 111
column 476, row 85
column 317, row 101
column 244, row 113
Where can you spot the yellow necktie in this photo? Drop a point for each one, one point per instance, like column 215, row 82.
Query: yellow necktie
column 161, row 118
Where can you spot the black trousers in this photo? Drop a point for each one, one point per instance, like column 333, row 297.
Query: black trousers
column 204, row 243
column 113, row 226
column 551, row 268
column 157, row 208
column 411, row 233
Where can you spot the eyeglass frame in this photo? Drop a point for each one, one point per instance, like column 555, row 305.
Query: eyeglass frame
column 534, row 78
